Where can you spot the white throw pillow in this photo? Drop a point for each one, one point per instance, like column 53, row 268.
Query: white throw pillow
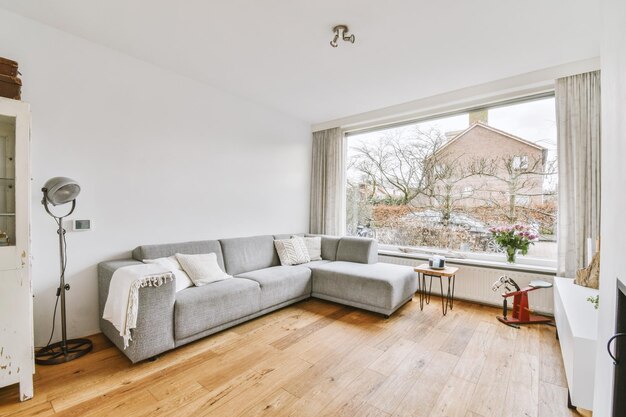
column 182, row 279
column 313, row 246
column 292, row 251
column 203, row 268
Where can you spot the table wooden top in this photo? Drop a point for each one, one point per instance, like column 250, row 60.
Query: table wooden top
column 447, row 272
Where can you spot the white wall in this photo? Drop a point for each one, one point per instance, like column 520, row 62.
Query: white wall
column 613, row 263
column 160, row 158
column 491, row 92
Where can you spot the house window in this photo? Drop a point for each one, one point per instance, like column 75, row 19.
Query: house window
column 439, row 169
column 439, row 184
column 520, row 162
column 467, row 191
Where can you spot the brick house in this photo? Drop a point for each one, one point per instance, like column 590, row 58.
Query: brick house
column 510, row 158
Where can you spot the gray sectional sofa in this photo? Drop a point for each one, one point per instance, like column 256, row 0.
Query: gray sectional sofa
column 348, row 274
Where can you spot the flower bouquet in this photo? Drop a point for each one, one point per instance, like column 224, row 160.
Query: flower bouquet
column 513, row 239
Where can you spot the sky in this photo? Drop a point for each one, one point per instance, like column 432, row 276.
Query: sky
column 533, row 120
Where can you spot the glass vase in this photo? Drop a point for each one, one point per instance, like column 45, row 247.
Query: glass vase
column 510, row 255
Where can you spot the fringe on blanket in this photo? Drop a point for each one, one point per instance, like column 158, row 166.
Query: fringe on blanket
column 133, row 300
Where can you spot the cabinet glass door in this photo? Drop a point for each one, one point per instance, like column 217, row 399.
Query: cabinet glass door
column 7, row 181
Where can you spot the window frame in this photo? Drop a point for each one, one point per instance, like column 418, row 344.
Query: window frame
column 490, row 258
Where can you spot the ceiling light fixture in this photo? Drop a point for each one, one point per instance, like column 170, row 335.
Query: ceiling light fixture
column 341, row 31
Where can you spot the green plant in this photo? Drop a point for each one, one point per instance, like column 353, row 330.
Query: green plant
column 595, row 301
column 514, row 238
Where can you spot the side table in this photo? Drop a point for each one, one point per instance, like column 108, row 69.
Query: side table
column 447, row 300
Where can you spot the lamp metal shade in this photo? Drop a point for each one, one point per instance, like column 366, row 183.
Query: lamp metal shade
column 61, row 190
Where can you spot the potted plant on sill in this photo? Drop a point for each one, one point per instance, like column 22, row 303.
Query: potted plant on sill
column 513, row 239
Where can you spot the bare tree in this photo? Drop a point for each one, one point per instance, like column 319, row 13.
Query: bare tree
column 446, row 193
column 396, row 166
column 517, row 182
column 400, row 174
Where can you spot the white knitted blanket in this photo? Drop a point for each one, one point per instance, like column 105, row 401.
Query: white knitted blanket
column 122, row 303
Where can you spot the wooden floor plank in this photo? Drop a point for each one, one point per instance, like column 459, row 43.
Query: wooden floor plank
column 317, row 358
column 368, row 410
column 389, row 395
column 172, row 403
column 492, row 384
column 334, row 380
column 350, row 400
column 271, row 405
column 476, row 353
column 522, row 396
column 458, row 340
column 393, row 356
column 551, row 367
column 284, row 342
column 454, row 399
column 551, row 400
column 422, row 396
column 348, row 359
column 273, row 375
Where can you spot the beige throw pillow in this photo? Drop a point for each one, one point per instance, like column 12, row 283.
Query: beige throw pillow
column 313, row 246
column 171, row 263
column 292, row 251
column 203, row 268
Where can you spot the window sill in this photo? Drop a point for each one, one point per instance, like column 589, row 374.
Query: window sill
column 544, row 270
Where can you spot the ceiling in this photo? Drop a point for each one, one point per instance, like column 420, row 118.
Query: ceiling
column 277, row 52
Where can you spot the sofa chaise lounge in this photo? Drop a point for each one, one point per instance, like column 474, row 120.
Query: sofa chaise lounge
column 348, row 274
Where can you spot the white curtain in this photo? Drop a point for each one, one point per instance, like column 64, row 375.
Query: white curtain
column 328, row 182
column 578, row 123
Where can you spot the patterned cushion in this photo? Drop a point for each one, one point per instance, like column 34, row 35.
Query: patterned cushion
column 292, row 251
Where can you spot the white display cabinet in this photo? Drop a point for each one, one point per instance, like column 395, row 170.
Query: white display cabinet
column 16, row 296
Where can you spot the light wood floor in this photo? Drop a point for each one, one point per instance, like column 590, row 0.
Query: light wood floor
column 321, row 359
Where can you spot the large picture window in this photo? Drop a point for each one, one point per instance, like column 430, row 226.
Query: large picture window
column 438, row 185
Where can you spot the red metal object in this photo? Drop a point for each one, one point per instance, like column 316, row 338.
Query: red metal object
column 521, row 313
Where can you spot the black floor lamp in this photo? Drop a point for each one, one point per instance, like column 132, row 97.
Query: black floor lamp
column 57, row 191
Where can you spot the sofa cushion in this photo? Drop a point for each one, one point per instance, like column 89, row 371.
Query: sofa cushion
column 201, row 308
column 170, row 249
column 171, row 263
column 382, row 286
column 292, row 251
column 314, row 247
column 329, row 246
column 357, row 249
column 202, row 268
column 281, row 283
column 245, row 254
